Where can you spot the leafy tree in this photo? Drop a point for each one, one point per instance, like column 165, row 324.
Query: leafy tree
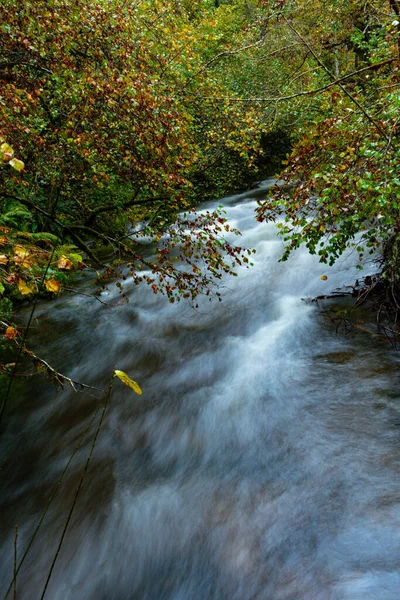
column 343, row 171
column 108, row 104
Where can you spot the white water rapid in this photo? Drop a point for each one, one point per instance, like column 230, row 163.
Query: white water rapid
column 261, row 463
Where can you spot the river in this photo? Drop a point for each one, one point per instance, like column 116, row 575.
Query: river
column 261, row 463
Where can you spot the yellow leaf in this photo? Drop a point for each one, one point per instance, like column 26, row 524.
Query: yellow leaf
column 3, row 259
column 65, row 263
column 53, row 286
column 324, row 277
column 21, row 256
column 21, row 251
column 16, row 164
column 7, row 152
column 25, row 288
column 128, row 381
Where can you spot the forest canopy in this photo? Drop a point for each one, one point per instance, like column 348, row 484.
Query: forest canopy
column 120, row 117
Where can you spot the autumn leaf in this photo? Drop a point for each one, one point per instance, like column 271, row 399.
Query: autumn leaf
column 21, row 256
column 53, row 286
column 12, row 278
column 25, row 288
column 11, row 333
column 3, row 240
column 65, row 263
column 7, row 152
column 20, row 251
column 3, row 259
column 324, row 277
column 128, row 381
column 7, row 367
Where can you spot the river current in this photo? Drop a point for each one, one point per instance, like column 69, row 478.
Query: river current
column 261, row 462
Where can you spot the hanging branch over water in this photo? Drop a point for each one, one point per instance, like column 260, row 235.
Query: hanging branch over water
column 22, row 346
column 78, row 489
column 52, row 497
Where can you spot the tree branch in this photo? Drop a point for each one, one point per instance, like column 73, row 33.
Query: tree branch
column 309, row 92
column 56, row 376
column 226, row 53
column 113, row 207
column 67, row 228
column 332, row 76
column 17, row 63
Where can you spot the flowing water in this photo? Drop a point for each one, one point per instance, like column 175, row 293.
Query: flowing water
column 261, row 462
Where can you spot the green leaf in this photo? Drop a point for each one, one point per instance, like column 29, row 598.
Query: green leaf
column 76, row 258
column 128, row 381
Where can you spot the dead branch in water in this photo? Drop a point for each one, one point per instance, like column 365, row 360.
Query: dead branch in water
column 382, row 300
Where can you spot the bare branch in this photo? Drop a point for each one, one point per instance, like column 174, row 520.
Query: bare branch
column 332, row 76
column 308, row 92
column 56, row 375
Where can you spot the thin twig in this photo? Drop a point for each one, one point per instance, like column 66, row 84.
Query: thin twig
column 78, row 489
column 53, row 495
column 225, row 53
column 332, row 76
column 59, row 377
column 79, row 293
column 318, row 90
column 3, row 405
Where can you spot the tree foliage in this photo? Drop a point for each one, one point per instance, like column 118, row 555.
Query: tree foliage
column 123, row 115
column 342, row 175
column 110, row 109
